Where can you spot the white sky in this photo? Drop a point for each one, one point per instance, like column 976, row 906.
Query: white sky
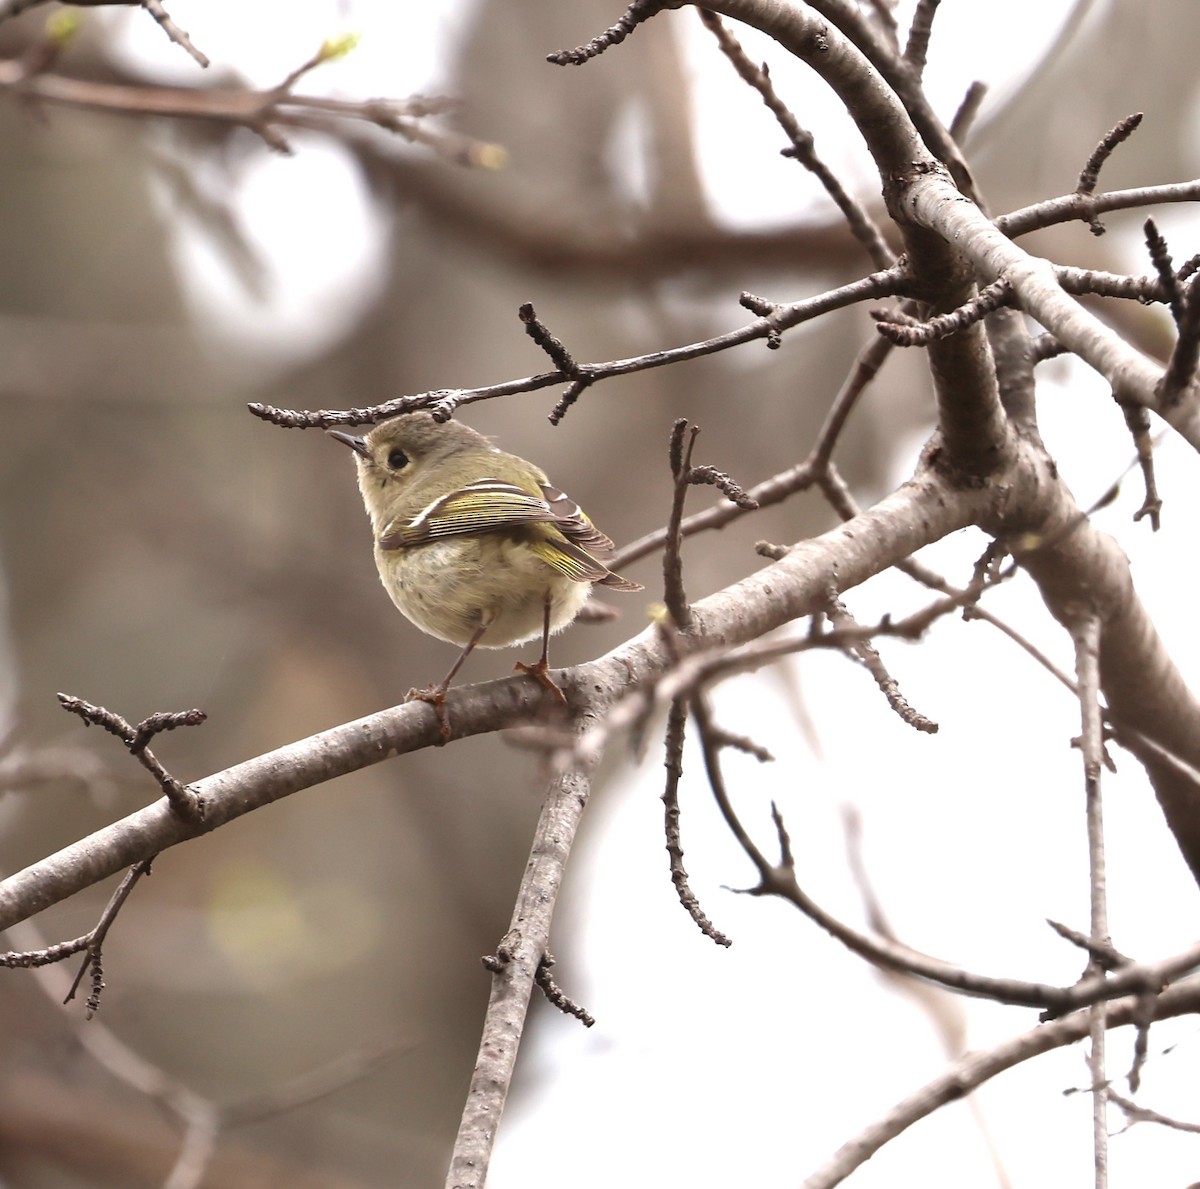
column 717, row 1067
column 707, row 1067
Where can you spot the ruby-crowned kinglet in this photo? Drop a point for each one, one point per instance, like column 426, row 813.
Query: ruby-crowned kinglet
column 472, row 544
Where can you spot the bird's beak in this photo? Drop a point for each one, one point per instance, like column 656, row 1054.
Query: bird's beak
column 358, row 445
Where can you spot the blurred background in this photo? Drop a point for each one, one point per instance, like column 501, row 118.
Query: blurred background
column 161, row 549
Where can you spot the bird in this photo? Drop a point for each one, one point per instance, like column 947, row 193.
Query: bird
column 474, row 545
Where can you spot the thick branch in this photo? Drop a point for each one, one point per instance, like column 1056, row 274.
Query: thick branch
column 920, row 512
column 1154, row 713
column 880, row 116
column 1134, row 378
column 974, row 429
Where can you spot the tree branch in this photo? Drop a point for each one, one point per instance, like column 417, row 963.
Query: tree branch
column 976, row 1068
column 921, row 511
column 514, row 969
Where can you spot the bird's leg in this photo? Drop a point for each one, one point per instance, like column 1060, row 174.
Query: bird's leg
column 435, row 695
column 540, row 669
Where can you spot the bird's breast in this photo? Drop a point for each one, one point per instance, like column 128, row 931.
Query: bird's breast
column 448, row 588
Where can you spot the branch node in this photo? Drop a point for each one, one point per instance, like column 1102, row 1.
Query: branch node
column 183, row 800
column 1090, row 175
column 505, row 952
column 904, row 331
column 552, row 345
column 757, row 305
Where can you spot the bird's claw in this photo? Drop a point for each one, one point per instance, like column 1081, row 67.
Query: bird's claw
column 435, row 695
column 540, row 672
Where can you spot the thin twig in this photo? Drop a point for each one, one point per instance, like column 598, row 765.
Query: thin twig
column 1180, row 372
column 795, row 479
column 803, row 146
column 136, row 738
column 674, row 595
column 905, row 332
column 968, row 111
column 555, row 994
column 634, row 15
column 1068, row 207
column 1090, row 175
column 673, row 762
column 443, row 401
column 262, row 112
column 559, row 356
column 550, row 343
column 1085, row 633
column 917, row 49
column 11, row 8
column 868, row 654
column 710, row 746
column 1160, row 257
column 1137, row 420
column 976, row 1068
column 172, row 30
column 93, row 963
column 1102, row 953
column 1143, row 1114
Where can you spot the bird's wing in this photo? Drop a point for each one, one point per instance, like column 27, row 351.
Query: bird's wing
column 569, row 543
column 480, row 507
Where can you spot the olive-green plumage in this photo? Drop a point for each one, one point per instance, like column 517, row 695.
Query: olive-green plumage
column 472, row 544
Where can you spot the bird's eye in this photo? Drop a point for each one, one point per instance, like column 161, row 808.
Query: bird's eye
column 397, row 459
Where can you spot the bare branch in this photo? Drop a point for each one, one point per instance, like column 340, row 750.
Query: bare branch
column 1137, row 420
column 673, row 745
column 783, row 317
column 1132, row 376
column 172, row 30
column 11, row 8
column 1090, row 175
column 1160, row 257
column 555, row 995
column 183, row 800
column 802, row 147
column 1069, row 207
column 919, row 334
column 1179, row 378
column 917, row 49
column 514, row 972
column 634, row 15
column 683, row 441
column 973, row 1070
column 264, row 113
column 923, row 510
column 968, row 111
column 1142, row 1114
column 1085, row 632
column 873, row 662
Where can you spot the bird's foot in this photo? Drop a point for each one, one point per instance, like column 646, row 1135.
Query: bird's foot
column 435, row 695
column 540, row 672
